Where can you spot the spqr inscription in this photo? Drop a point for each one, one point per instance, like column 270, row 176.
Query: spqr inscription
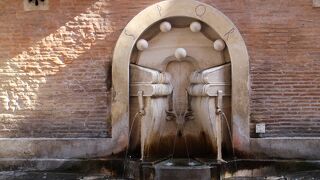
column 228, row 34
column 159, row 10
column 200, row 10
column 127, row 33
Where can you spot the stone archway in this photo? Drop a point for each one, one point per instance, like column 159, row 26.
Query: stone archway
column 223, row 27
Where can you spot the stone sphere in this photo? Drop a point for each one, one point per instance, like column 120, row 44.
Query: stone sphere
column 165, row 26
column 142, row 44
column 195, row 26
column 219, row 45
column 180, row 53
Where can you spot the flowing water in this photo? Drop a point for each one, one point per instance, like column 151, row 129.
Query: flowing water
column 127, row 149
column 230, row 136
column 229, row 131
column 179, row 132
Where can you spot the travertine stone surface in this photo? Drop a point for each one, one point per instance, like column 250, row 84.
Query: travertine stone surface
column 316, row 3
column 163, row 47
column 192, row 9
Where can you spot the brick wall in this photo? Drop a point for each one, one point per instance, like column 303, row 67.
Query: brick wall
column 54, row 70
column 55, row 65
column 282, row 37
column 283, row 42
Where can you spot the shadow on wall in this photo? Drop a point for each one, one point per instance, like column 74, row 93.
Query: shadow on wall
column 57, row 86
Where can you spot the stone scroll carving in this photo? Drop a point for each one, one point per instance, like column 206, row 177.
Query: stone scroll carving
column 150, row 82
column 208, row 82
column 149, row 90
column 142, row 75
column 155, row 90
column 208, row 86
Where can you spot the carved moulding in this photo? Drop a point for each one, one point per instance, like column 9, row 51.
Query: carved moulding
column 148, row 81
column 150, row 89
column 143, row 75
column 208, row 82
column 210, row 90
column 212, row 75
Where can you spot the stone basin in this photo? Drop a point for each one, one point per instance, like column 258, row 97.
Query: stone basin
column 183, row 169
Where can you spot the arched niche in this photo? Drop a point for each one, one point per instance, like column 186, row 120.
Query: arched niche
column 214, row 19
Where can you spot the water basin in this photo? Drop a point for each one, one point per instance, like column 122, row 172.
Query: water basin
column 184, row 169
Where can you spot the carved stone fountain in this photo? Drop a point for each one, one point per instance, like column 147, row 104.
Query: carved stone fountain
column 179, row 79
column 176, row 87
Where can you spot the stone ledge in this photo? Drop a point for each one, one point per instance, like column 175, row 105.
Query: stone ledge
column 56, row 148
column 81, row 166
column 285, row 148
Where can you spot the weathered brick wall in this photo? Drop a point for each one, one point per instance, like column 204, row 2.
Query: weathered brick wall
column 55, row 64
column 282, row 37
column 54, row 70
column 283, row 43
